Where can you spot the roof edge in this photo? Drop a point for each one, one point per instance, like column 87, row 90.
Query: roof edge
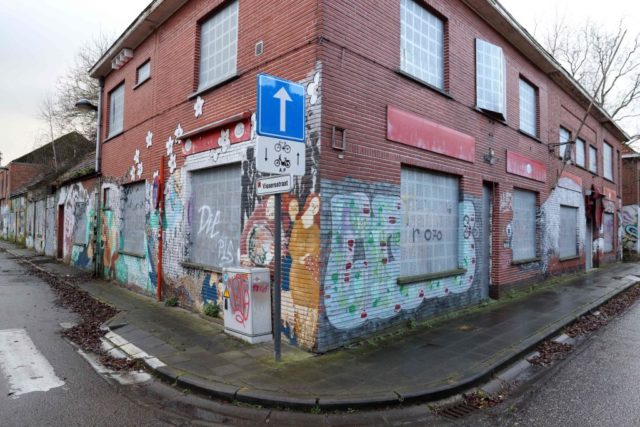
column 550, row 66
column 154, row 15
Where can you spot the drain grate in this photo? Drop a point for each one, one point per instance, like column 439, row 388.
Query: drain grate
column 457, row 411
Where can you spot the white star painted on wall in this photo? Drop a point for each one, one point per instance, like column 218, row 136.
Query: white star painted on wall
column 313, row 89
column 198, row 106
column 169, row 146
column 136, row 157
column 224, row 140
column 172, row 163
column 149, row 139
column 155, row 174
column 140, row 169
column 132, row 173
column 178, row 132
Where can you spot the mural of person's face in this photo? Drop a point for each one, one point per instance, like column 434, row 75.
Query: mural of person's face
column 311, row 212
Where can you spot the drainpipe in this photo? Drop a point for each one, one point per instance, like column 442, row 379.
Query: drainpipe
column 98, row 232
column 160, row 207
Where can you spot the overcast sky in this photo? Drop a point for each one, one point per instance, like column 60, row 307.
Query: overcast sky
column 39, row 38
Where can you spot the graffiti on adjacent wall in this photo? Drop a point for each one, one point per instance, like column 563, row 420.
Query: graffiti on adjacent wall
column 360, row 282
column 630, row 227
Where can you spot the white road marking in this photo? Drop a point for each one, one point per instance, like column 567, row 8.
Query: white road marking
column 25, row 368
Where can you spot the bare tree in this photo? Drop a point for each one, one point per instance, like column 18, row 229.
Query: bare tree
column 58, row 111
column 606, row 63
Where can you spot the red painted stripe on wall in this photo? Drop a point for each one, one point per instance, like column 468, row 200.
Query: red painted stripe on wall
column 410, row 129
column 518, row 164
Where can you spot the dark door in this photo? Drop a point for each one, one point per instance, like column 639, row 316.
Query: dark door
column 60, row 231
column 485, row 264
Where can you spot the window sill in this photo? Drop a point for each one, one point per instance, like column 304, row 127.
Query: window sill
column 131, row 254
column 198, row 266
column 497, row 117
column 609, row 180
column 213, row 86
column 528, row 135
column 141, row 83
column 423, row 83
column 525, row 261
column 406, row 280
column 115, row 135
column 569, row 258
column 84, row 245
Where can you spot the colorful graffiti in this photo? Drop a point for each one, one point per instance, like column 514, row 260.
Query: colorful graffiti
column 360, row 282
column 630, row 227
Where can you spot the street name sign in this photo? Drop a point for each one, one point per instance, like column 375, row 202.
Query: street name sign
column 273, row 185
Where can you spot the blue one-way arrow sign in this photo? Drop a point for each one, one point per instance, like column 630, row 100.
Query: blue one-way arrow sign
column 280, row 108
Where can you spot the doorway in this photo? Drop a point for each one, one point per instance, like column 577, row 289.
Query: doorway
column 486, row 221
column 60, row 231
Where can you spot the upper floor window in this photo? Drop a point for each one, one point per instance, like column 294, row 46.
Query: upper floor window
column 528, row 108
column 580, row 155
column 565, row 137
column 143, row 72
column 490, row 77
column 422, row 43
column 116, row 110
column 593, row 159
column 607, row 161
column 218, row 46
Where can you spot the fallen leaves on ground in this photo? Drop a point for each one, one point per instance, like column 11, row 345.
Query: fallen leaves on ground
column 93, row 315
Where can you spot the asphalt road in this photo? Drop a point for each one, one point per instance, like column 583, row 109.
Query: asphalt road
column 599, row 385
column 29, row 337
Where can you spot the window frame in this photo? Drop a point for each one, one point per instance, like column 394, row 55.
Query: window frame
column 426, row 269
column 482, row 103
column 581, row 143
column 536, row 106
column 593, row 162
column 562, row 147
column 141, row 81
column 110, row 117
column 204, row 84
column 425, row 75
column 605, row 163
column 576, row 252
column 525, row 259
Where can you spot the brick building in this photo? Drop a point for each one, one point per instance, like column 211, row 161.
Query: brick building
column 630, row 202
column 443, row 160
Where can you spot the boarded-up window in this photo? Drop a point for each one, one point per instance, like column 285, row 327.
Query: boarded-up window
column 80, row 225
column 215, row 216
column 607, row 220
column 133, row 219
column 429, row 238
column 568, row 231
column 524, row 225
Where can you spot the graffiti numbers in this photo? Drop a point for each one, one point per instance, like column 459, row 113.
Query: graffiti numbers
column 428, row 234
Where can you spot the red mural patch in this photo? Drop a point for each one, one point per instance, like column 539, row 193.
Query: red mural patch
column 518, row 164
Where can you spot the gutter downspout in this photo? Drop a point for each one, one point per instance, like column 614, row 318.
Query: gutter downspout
column 97, row 265
column 160, row 218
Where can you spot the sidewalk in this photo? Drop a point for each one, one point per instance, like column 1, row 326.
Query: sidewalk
column 418, row 365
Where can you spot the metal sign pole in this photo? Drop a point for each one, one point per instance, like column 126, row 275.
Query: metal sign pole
column 276, row 286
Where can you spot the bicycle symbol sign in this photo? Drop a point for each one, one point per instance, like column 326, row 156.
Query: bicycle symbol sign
column 280, row 156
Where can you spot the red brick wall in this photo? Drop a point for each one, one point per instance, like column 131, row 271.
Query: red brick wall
column 361, row 54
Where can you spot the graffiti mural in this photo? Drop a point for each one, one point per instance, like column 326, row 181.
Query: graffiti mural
column 567, row 193
column 630, row 227
column 79, row 221
column 362, row 236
